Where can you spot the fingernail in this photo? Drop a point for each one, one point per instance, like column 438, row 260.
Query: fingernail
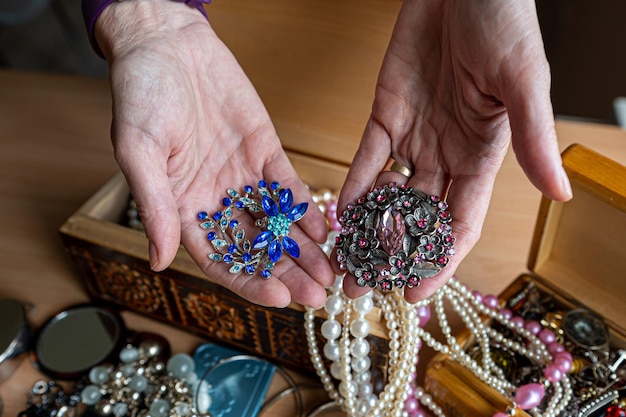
column 153, row 256
column 565, row 185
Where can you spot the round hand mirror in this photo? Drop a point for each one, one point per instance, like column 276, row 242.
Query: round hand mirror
column 14, row 335
column 77, row 339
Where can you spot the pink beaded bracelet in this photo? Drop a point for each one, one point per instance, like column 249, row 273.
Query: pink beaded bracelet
column 93, row 8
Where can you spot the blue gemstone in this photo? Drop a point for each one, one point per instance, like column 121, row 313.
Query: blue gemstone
column 266, row 273
column 246, row 257
column 226, row 201
column 262, row 239
column 269, row 206
column 217, row 216
column 232, row 248
column 291, row 247
column 286, row 200
column 248, row 188
column 203, row 215
column 228, row 258
column 275, row 250
column 211, row 235
column 297, row 212
column 234, row 223
column 262, row 184
column 239, row 205
column 250, row 269
column 275, row 185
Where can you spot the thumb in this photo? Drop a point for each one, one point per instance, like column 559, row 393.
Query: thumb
column 533, row 132
column 150, row 188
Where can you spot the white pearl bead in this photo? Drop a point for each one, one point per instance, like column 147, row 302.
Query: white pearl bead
column 362, row 364
column 359, row 348
column 363, row 304
column 360, row 328
column 331, row 329
column 333, row 305
column 331, row 350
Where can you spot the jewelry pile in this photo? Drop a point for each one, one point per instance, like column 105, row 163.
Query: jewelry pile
column 348, row 379
column 145, row 382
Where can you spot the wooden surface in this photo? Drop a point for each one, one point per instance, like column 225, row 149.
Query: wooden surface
column 56, row 153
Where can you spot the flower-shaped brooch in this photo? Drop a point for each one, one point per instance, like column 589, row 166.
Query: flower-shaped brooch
column 229, row 238
column 395, row 236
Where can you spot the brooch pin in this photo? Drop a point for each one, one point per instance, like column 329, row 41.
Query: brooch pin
column 395, row 236
column 229, row 238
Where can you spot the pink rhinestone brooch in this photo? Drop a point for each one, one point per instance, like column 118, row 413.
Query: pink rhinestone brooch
column 395, row 236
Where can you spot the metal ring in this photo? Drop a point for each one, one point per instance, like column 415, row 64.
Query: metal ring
column 394, row 236
column 394, row 166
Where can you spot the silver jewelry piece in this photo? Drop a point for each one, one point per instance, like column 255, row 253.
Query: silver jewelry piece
column 395, row 236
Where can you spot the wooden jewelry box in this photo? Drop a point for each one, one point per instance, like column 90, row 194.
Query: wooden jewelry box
column 112, row 259
column 576, row 261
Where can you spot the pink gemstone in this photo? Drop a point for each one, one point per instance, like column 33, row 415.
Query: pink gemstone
column 423, row 313
column 413, row 281
column 442, row 261
column 400, row 263
column 429, row 246
column 361, row 200
column 381, row 197
column 506, row 313
column 367, row 275
column 477, row 295
column 553, row 373
column 449, row 239
column 390, row 231
column 533, row 326
column 518, row 321
column 547, row 336
column 362, row 243
column 491, row 301
column 411, row 405
column 500, row 414
column 563, row 363
column 444, row 215
column 529, row 396
column 422, row 223
column 555, row 348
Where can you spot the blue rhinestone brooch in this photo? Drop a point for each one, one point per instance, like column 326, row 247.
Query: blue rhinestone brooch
column 394, row 236
column 229, row 240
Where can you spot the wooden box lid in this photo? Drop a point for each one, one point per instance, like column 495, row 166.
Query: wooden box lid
column 580, row 246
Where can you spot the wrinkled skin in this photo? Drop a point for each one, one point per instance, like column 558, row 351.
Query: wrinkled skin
column 457, row 79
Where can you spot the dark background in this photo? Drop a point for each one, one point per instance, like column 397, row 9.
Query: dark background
column 584, row 43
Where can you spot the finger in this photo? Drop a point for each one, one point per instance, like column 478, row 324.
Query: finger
column 146, row 174
column 368, row 162
column 533, row 132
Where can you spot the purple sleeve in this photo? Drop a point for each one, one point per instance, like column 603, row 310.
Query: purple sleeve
column 93, row 8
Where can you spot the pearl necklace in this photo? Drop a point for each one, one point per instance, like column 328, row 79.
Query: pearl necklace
column 405, row 336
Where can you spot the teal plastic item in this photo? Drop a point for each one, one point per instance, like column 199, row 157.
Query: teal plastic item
column 239, row 382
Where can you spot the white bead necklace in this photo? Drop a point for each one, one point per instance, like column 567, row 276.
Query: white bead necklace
column 347, row 349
